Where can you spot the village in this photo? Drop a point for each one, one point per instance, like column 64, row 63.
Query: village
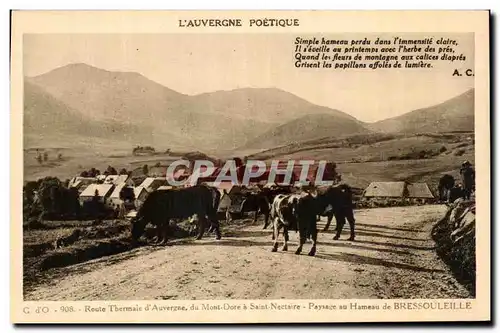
column 121, row 194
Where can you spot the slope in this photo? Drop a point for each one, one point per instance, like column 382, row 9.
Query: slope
column 308, row 127
column 456, row 114
column 46, row 117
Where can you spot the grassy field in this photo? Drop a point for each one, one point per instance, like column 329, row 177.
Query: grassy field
column 74, row 162
column 364, row 159
column 360, row 159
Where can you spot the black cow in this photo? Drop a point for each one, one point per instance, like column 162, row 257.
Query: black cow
column 295, row 212
column 163, row 205
column 257, row 203
column 455, row 192
column 446, row 183
column 337, row 201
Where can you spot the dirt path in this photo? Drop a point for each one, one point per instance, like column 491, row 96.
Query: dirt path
column 392, row 257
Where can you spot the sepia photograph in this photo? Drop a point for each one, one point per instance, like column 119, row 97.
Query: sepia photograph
column 213, row 166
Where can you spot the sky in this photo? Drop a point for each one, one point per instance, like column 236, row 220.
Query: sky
column 199, row 63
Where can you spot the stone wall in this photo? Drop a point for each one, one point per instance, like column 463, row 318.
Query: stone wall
column 455, row 237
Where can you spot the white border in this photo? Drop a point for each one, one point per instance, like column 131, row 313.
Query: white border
column 146, row 4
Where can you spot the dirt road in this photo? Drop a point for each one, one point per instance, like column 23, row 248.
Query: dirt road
column 392, row 257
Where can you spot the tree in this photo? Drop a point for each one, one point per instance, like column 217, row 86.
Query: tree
column 39, row 158
column 59, row 157
column 94, row 172
column 84, row 174
column 56, row 201
column 111, row 171
column 47, row 193
column 127, row 194
column 123, row 171
column 158, row 164
column 45, row 156
column 145, row 169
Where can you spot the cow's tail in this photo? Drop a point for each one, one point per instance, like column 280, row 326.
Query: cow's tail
column 216, row 199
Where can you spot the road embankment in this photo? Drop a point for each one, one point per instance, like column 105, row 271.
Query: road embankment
column 455, row 237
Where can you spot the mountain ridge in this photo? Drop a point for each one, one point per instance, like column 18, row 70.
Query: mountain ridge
column 223, row 119
column 454, row 114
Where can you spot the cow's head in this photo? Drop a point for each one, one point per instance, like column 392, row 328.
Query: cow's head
column 137, row 228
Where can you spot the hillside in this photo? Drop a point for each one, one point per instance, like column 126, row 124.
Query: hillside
column 216, row 120
column 269, row 105
column 46, row 116
column 100, row 94
column 130, row 99
column 128, row 108
column 308, row 127
column 456, row 114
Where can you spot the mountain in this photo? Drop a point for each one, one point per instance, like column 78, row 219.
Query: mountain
column 308, row 127
column 456, row 114
column 217, row 120
column 99, row 94
column 269, row 105
column 133, row 100
column 46, row 116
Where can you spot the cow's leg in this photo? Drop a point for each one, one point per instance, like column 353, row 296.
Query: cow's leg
column 328, row 221
column 216, row 227
column 201, row 226
column 228, row 216
column 158, row 233
column 211, row 227
column 164, row 234
column 302, row 234
column 266, row 220
column 255, row 214
column 351, row 220
column 274, row 234
column 340, row 225
column 276, row 230
column 156, row 238
column 285, row 236
column 314, row 236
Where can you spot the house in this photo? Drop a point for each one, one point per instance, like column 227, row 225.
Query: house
column 124, row 179
column 140, row 195
column 151, row 184
column 158, row 171
column 101, row 178
column 420, row 192
column 119, row 179
column 164, row 187
column 114, row 201
column 103, row 191
column 110, row 179
column 385, row 190
column 81, row 183
column 398, row 190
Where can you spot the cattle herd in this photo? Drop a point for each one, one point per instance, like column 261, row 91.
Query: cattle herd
column 287, row 209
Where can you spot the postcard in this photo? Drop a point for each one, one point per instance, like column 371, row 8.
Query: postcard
column 250, row 166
